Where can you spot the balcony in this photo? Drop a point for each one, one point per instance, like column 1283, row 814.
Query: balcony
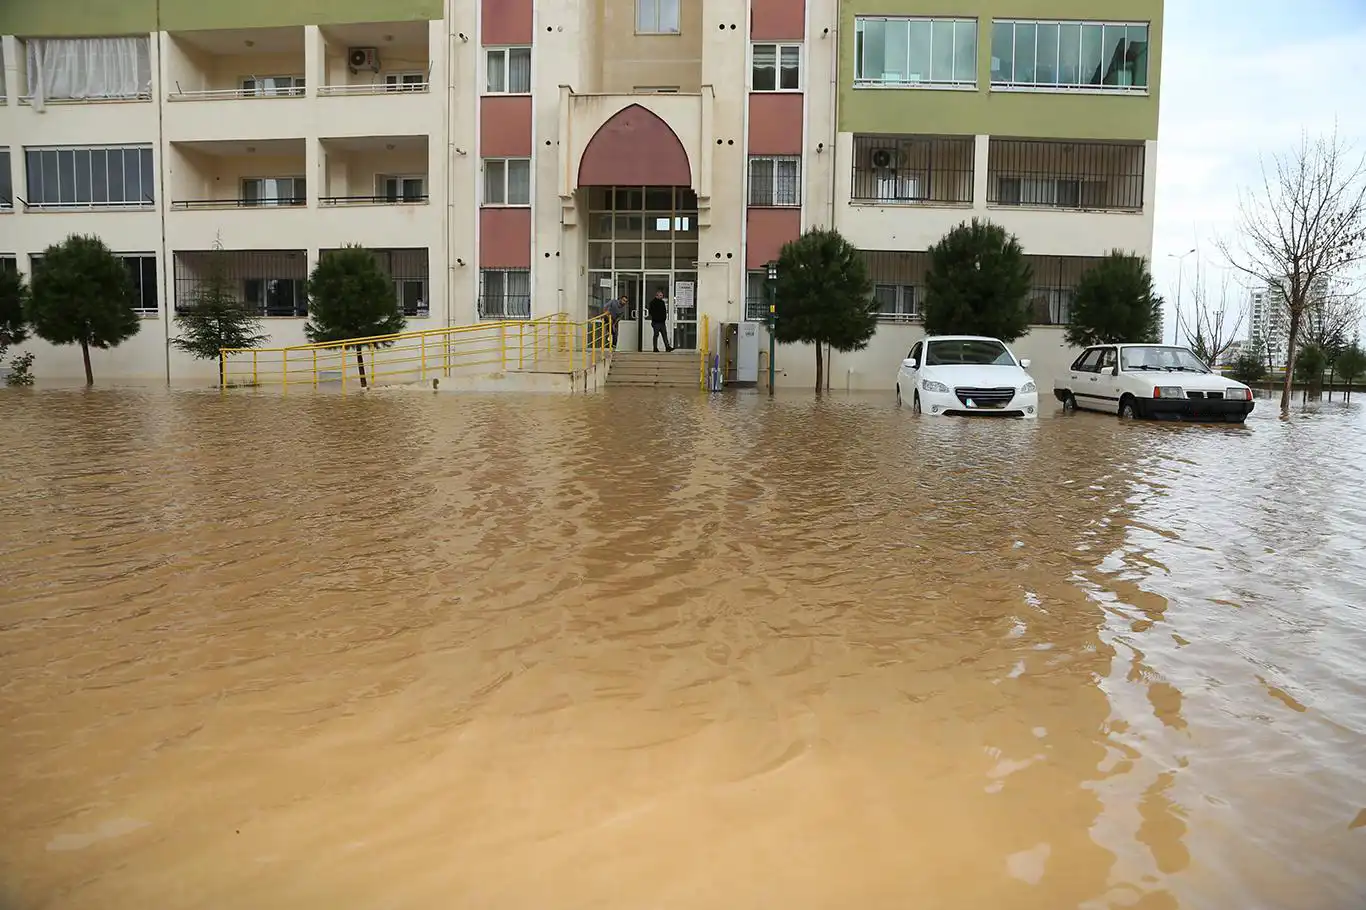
column 376, row 58
column 1081, row 176
column 271, row 282
column 375, row 170
column 260, row 182
column 408, row 269
column 913, row 170
column 221, row 78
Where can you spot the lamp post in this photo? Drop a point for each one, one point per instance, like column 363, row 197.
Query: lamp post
column 772, row 320
column 1180, row 274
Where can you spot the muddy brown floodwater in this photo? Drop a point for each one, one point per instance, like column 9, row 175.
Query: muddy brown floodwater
column 658, row 650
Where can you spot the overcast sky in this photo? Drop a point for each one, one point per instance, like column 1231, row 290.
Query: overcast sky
column 1242, row 78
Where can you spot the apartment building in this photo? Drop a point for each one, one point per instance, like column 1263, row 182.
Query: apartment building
column 515, row 158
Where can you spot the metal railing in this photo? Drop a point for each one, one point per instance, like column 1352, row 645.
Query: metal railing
column 372, row 200
column 183, row 205
column 231, row 94
column 551, row 343
column 1066, row 175
column 703, row 349
column 933, row 170
column 375, row 88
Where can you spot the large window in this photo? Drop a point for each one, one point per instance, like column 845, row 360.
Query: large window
column 657, row 17
column 907, row 169
column 273, row 86
column 897, row 302
column 1070, row 175
column 405, row 82
column 274, row 191
column 6, row 186
column 88, row 69
column 509, row 71
column 505, row 294
column 507, row 181
column 915, row 52
column 401, row 189
column 1078, row 55
column 775, row 180
column 87, row 177
column 776, row 68
column 142, row 272
column 284, row 297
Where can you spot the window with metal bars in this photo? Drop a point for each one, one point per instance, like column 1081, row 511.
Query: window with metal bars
column 407, row 267
column 272, row 282
column 775, row 180
column 1069, row 175
column 504, row 293
column 925, row 169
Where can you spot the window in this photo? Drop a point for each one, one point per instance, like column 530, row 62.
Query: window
column 142, row 268
column 509, row 71
column 915, row 52
column 657, row 17
column 915, row 352
column 504, row 294
column 902, row 169
column 411, row 294
column 507, row 181
column 1089, row 362
column 1051, row 305
column 896, row 302
column 1070, row 175
column 405, row 82
column 1062, row 192
column 88, row 69
column 6, row 186
column 401, row 189
column 775, row 181
column 276, row 296
column 756, row 296
column 1106, row 56
column 90, row 177
column 274, row 191
column 776, row 68
column 273, row 86
column 9, row 263
column 1107, row 359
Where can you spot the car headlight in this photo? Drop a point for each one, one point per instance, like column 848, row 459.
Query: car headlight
column 1028, row 387
column 1170, row 391
column 1238, row 394
column 929, row 385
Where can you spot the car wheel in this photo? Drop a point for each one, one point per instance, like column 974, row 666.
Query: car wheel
column 1128, row 408
column 915, row 404
column 1069, row 404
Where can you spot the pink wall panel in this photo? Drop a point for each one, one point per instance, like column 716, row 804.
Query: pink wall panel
column 768, row 230
column 504, row 238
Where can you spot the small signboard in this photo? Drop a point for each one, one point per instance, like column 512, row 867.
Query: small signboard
column 685, row 295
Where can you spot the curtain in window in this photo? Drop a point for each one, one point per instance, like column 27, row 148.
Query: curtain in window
column 497, row 68
column 3, row 93
column 87, row 68
column 519, row 183
column 519, row 70
column 495, row 178
column 786, row 182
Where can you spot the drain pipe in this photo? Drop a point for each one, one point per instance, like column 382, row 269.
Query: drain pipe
column 449, row 162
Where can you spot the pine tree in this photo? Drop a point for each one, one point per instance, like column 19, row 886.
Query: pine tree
column 1115, row 304
column 351, row 297
column 824, row 296
column 216, row 318
column 977, row 283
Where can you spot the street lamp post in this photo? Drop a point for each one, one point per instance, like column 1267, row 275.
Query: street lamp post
column 1180, row 274
column 772, row 320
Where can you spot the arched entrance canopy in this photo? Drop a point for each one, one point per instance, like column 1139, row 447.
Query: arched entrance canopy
column 635, row 148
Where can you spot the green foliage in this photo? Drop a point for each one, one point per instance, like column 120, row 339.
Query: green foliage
column 351, row 297
column 1248, row 368
column 1115, row 304
column 82, row 294
column 1351, row 364
column 216, row 318
column 20, row 371
column 978, row 283
column 13, row 301
column 824, row 295
column 1310, row 363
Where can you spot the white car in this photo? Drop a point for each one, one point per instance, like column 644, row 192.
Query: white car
column 966, row 374
column 1151, row 380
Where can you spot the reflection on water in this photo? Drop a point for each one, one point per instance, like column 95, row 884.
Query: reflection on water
column 659, row 650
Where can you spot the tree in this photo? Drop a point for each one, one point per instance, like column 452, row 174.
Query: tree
column 1309, row 367
column 83, row 294
column 977, row 283
column 1248, row 368
column 216, row 318
column 13, row 301
column 351, row 297
column 1115, row 304
column 824, row 295
column 1351, row 365
column 1302, row 229
column 1218, row 317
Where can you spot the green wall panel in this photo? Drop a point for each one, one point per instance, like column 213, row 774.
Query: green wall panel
column 121, row 17
column 1027, row 114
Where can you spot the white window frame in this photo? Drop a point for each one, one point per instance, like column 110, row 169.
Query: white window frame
column 405, row 81
column 277, row 200
column 140, row 307
column 779, row 50
column 506, row 66
column 776, row 181
column 1011, row 85
column 503, row 275
column 926, row 80
column 399, row 286
column 907, row 304
column 147, row 195
column 506, row 165
column 382, row 188
column 658, row 17
column 254, row 87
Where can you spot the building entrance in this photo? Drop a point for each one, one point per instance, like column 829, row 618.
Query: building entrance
column 642, row 240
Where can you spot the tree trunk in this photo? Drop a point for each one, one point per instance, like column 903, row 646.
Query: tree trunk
column 222, row 373
column 1287, row 387
column 360, row 362
column 820, row 369
column 85, row 355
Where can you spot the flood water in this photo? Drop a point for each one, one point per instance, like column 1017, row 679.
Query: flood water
column 658, row 650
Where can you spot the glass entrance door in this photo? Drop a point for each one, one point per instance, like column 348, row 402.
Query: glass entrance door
column 629, row 286
column 654, row 284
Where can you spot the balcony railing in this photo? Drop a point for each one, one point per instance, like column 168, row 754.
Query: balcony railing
column 229, row 94
column 375, row 88
column 1066, row 175
column 929, row 170
column 184, row 205
column 93, row 99
column 372, row 200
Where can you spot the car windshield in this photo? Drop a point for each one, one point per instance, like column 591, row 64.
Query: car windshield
column 1161, row 358
column 977, row 352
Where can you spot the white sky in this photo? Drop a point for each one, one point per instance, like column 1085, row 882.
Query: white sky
column 1239, row 80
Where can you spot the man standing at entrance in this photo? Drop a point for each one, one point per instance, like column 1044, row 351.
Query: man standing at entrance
column 659, row 313
column 616, row 311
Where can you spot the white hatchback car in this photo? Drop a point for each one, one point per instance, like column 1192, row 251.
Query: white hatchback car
column 1151, row 380
column 966, row 374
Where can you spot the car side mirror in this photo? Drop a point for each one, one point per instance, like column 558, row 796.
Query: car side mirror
column 909, row 363
column 1024, row 364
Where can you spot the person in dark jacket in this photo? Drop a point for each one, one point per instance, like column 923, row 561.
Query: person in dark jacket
column 659, row 313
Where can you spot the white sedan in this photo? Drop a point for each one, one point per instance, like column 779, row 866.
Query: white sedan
column 1154, row 381
column 965, row 374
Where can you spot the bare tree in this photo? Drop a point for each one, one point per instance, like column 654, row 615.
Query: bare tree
column 1333, row 317
column 1302, row 229
column 1218, row 317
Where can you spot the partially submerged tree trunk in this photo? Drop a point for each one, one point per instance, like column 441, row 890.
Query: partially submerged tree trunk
column 1288, row 386
column 85, row 355
column 820, row 370
column 360, row 363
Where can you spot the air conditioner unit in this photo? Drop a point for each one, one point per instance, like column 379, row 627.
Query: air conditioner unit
column 362, row 58
column 883, row 157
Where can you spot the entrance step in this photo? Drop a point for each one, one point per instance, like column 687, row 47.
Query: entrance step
column 679, row 369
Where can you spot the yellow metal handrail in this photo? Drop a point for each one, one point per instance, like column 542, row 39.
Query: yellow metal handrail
column 703, row 349
column 551, row 343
